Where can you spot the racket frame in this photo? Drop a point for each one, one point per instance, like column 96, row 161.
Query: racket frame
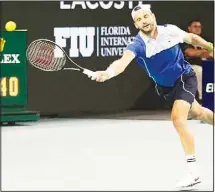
column 63, row 68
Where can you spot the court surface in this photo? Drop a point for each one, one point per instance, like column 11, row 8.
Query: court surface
column 101, row 154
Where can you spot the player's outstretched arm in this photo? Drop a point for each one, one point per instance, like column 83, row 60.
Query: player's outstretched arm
column 191, row 38
column 117, row 67
column 196, row 40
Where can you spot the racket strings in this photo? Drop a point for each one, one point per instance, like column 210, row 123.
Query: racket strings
column 42, row 55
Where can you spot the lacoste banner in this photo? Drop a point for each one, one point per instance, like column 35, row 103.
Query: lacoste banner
column 208, row 84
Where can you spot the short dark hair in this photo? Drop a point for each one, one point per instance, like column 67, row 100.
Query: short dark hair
column 192, row 21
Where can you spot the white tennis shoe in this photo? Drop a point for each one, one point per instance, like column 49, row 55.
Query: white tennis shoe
column 188, row 181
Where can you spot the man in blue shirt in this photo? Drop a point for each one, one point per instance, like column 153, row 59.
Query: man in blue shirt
column 156, row 49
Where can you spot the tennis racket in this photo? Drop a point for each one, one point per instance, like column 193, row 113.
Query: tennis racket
column 48, row 56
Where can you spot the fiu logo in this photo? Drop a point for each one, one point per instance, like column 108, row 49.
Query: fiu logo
column 92, row 41
column 2, row 43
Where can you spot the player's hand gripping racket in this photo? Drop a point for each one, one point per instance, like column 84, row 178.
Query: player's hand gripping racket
column 48, row 56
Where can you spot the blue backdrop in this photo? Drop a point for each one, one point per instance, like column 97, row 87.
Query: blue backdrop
column 208, row 84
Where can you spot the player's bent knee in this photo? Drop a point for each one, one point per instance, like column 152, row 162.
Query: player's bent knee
column 178, row 121
column 198, row 114
column 179, row 124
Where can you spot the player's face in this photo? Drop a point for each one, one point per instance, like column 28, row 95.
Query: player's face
column 145, row 21
column 195, row 28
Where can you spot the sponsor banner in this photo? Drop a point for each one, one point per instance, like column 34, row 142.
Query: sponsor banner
column 13, row 77
column 95, row 40
column 208, row 85
column 105, row 5
column 104, row 41
column 7, row 58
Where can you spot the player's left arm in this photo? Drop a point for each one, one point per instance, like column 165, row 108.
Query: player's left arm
column 196, row 40
column 191, row 38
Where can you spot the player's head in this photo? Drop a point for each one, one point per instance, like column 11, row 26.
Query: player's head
column 195, row 27
column 144, row 19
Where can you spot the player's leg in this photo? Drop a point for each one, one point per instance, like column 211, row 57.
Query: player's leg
column 198, row 71
column 179, row 118
column 184, row 97
column 201, row 113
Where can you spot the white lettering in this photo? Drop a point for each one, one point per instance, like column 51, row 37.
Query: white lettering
column 130, row 5
column 74, row 33
column 64, row 6
column 121, row 30
column 104, row 5
column 210, row 88
column 92, row 6
column 113, row 51
column 85, row 45
column 61, row 34
column 104, row 41
column 120, row 5
column 81, row 41
column 82, row 3
column 15, row 58
column 146, row 5
column 86, row 40
column 116, row 41
column 9, row 58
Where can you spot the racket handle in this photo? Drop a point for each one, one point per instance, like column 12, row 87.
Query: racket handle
column 88, row 72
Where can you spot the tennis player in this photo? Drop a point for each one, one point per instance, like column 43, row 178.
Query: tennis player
column 156, row 49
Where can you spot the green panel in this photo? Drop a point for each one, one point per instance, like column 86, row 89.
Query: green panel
column 20, row 117
column 13, row 68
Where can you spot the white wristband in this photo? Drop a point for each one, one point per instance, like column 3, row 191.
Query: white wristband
column 111, row 73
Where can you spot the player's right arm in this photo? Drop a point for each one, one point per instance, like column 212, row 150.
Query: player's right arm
column 133, row 50
column 117, row 67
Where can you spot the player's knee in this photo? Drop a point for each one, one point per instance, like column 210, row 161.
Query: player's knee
column 178, row 121
column 198, row 114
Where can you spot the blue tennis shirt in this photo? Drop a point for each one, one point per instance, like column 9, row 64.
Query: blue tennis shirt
column 161, row 58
